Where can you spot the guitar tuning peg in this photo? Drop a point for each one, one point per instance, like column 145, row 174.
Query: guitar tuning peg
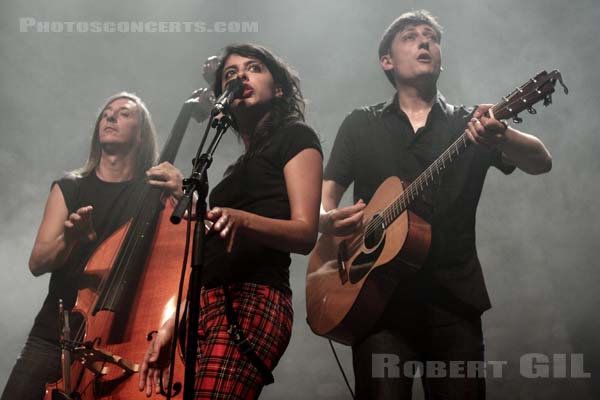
column 547, row 100
column 517, row 120
column 531, row 111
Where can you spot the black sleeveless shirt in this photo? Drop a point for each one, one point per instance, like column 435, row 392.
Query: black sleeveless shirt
column 114, row 204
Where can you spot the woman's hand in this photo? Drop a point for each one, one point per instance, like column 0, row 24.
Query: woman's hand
column 227, row 222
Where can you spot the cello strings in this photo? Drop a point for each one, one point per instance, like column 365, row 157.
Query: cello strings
column 124, row 247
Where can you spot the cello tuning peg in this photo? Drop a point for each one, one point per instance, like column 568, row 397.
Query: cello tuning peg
column 531, row 111
column 517, row 120
column 547, row 100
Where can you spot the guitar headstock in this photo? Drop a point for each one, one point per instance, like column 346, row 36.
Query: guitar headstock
column 538, row 88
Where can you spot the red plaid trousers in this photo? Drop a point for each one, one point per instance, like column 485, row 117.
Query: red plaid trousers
column 265, row 317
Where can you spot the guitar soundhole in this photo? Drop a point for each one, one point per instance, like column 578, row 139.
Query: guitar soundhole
column 374, row 232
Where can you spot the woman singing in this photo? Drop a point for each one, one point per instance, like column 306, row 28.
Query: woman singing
column 265, row 208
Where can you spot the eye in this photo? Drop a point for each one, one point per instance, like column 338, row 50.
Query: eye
column 229, row 74
column 255, row 67
column 125, row 113
column 410, row 36
column 431, row 36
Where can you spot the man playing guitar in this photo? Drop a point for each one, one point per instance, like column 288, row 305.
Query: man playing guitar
column 434, row 314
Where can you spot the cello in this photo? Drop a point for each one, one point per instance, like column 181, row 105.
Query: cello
column 127, row 290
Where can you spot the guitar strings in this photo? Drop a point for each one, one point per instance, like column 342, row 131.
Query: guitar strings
column 401, row 203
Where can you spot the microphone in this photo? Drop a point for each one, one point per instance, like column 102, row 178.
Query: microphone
column 233, row 90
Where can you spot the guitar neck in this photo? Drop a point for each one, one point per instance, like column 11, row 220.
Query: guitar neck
column 522, row 98
column 427, row 177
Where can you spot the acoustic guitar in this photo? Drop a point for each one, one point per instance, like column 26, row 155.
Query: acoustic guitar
column 350, row 279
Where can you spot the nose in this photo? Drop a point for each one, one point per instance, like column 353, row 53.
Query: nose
column 424, row 44
column 242, row 75
column 111, row 116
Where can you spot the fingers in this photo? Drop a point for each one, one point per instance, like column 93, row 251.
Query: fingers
column 477, row 133
column 484, row 128
column 82, row 214
column 143, row 375
column 156, row 360
column 471, row 131
column 156, row 378
column 347, row 220
column 85, row 212
column 481, row 110
column 166, row 176
column 346, row 212
column 144, row 372
column 227, row 222
column 222, row 221
column 487, row 131
column 214, row 214
column 492, row 126
column 150, row 382
column 79, row 224
column 224, row 224
column 87, row 222
column 176, row 190
column 150, row 376
column 231, row 240
column 350, row 224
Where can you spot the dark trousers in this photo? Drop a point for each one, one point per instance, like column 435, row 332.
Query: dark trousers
column 38, row 364
column 385, row 362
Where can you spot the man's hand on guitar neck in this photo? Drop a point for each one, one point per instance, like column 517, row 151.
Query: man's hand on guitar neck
column 342, row 221
column 485, row 129
column 525, row 151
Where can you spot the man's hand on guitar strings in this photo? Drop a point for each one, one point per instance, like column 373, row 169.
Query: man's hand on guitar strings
column 343, row 221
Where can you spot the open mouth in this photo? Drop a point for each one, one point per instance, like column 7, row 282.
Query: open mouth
column 247, row 92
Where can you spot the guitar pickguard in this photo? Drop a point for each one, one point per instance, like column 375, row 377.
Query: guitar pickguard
column 363, row 263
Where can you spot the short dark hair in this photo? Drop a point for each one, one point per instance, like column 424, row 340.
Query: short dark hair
column 417, row 17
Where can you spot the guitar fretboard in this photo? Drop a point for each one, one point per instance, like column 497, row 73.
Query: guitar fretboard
column 417, row 187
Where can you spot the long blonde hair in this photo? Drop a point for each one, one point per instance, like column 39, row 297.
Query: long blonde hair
column 146, row 151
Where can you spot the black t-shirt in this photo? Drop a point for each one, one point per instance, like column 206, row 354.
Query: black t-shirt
column 257, row 186
column 376, row 142
column 114, row 204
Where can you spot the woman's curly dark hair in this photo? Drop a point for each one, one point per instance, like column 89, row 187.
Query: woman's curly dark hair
column 284, row 109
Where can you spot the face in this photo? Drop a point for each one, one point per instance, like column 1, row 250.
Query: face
column 119, row 124
column 259, row 86
column 415, row 54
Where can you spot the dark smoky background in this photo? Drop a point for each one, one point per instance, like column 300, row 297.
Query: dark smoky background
column 536, row 235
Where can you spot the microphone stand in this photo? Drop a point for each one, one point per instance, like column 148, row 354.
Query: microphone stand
column 197, row 183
